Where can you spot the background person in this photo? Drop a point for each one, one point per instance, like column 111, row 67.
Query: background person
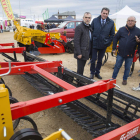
column 82, row 42
column 33, row 26
column 127, row 46
column 53, row 26
column 1, row 28
column 103, row 33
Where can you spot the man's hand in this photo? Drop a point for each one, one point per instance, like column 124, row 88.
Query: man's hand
column 79, row 56
column 137, row 39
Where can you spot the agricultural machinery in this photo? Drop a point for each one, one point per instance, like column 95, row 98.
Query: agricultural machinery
column 40, row 42
column 62, row 88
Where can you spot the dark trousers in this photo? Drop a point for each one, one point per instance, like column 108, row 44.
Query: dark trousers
column 96, row 54
column 119, row 61
column 80, row 66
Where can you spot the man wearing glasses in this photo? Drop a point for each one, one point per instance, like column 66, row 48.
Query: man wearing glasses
column 127, row 37
column 103, row 33
column 82, row 42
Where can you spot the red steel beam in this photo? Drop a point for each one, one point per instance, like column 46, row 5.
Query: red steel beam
column 49, row 66
column 53, row 78
column 29, row 107
column 123, row 133
column 1, row 47
column 6, row 64
column 11, row 50
column 7, row 44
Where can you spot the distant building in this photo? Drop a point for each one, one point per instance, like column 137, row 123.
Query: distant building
column 66, row 14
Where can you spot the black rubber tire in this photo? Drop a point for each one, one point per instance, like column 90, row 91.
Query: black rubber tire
column 27, row 134
column 27, row 118
column 10, row 92
column 2, row 81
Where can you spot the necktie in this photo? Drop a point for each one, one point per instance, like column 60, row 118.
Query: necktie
column 103, row 23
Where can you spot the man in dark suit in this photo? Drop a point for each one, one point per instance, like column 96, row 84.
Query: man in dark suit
column 103, row 33
column 82, row 42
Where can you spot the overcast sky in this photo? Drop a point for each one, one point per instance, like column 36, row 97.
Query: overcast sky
column 38, row 7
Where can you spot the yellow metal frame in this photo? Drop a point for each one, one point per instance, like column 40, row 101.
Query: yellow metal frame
column 6, row 125
column 57, row 136
column 24, row 35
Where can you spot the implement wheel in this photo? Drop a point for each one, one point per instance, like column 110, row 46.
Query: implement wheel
column 27, row 134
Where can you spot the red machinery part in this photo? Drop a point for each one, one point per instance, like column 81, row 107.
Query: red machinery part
column 7, row 44
column 123, row 133
column 11, row 50
column 57, row 47
column 25, row 108
column 21, row 67
column 29, row 107
column 135, row 58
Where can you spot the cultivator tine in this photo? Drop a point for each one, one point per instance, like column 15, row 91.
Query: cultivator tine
column 87, row 121
column 134, row 113
column 126, row 109
column 93, row 129
column 88, row 126
column 82, row 119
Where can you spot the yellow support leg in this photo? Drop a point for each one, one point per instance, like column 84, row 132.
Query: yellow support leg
column 59, row 135
column 6, row 125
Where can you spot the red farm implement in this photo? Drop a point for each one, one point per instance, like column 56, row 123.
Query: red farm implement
column 62, row 87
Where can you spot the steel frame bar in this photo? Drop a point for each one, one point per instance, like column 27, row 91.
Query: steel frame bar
column 49, row 66
column 123, row 133
column 1, row 47
column 29, row 107
column 7, row 44
column 5, row 64
column 53, row 78
column 11, row 50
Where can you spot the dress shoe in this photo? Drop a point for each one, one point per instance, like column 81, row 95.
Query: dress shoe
column 124, row 82
column 98, row 76
column 91, row 76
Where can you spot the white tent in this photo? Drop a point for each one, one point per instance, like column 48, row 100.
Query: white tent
column 120, row 17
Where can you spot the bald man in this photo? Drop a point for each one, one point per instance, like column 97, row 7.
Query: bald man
column 127, row 46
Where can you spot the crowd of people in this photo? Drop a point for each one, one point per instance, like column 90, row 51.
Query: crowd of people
column 47, row 26
column 91, row 41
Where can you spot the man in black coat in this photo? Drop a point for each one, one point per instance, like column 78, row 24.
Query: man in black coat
column 103, row 33
column 82, row 42
column 126, row 36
